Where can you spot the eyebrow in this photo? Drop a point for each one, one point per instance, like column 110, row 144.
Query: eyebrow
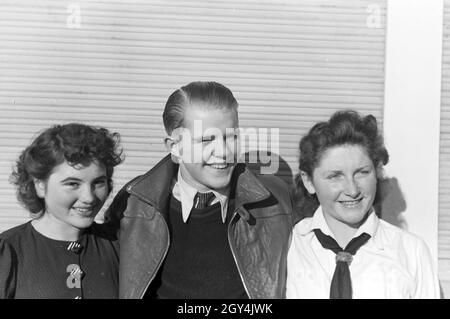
column 332, row 172
column 356, row 170
column 215, row 135
column 67, row 179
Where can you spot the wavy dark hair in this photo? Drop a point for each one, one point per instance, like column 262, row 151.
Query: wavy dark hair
column 74, row 143
column 344, row 127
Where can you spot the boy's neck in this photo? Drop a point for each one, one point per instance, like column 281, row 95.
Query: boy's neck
column 187, row 178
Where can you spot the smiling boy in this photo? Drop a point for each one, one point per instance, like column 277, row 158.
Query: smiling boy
column 200, row 225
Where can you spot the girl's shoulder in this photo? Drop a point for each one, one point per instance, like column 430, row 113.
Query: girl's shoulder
column 16, row 234
column 393, row 235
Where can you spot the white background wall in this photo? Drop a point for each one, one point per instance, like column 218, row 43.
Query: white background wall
column 412, row 109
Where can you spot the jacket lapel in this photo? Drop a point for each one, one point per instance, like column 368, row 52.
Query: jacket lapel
column 249, row 190
column 154, row 186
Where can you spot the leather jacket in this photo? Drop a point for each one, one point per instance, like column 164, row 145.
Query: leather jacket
column 258, row 232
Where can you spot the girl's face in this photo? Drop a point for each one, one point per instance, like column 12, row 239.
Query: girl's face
column 73, row 195
column 345, row 183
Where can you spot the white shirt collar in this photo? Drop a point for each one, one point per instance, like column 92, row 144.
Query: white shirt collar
column 185, row 193
column 370, row 226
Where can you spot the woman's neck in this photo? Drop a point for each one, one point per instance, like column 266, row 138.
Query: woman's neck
column 53, row 228
column 342, row 232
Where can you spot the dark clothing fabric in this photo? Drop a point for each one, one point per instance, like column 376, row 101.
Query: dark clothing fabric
column 258, row 231
column 341, row 284
column 33, row 266
column 199, row 263
column 202, row 200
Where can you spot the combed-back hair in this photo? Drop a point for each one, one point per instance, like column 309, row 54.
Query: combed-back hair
column 74, row 143
column 210, row 95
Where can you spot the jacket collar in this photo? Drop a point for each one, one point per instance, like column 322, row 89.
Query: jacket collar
column 248, row 188
column 154, row 186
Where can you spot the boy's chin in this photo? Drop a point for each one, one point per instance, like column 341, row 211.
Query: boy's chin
column 218, row 184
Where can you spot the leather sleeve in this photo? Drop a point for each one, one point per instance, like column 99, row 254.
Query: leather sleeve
column 114, row 213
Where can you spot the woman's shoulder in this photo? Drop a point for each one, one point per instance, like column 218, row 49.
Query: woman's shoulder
column 398, row 236
column 304, row 226
column 104, row 236
column 16, row 233
column 103, row 231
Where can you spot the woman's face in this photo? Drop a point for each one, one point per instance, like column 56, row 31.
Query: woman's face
column 345, row 183
column 73, row 195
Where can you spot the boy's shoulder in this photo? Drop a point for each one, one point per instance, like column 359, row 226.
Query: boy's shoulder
column 275, row 185
column 268, row 180
column 272, row 182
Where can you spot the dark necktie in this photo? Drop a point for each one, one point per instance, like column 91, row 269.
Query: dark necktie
column 341, row 284
column 201, row 200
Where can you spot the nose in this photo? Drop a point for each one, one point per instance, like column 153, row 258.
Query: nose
column 87, row 195
column 225, row 149
column 352, row 188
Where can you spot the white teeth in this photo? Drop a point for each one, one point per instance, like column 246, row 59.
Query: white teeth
column 83, row 210
column 351, row 203
column 218, row 166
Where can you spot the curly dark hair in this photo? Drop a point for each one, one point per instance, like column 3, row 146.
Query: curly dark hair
column 344, row 127
column 74, row 143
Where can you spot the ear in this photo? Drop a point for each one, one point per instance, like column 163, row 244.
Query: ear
column 174, row 148
column 307, row 182
column 39, row 186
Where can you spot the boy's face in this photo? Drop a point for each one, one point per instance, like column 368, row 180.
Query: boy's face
column 208, row 152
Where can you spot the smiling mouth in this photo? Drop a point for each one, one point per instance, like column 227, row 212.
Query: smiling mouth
column 84, row 211
column 220, row 166
column 351, row 203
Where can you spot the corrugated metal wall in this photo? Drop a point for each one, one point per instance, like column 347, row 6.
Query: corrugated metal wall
column 444, row 165
column 114, row 63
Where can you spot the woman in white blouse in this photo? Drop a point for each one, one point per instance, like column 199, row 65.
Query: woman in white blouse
column 344, row 250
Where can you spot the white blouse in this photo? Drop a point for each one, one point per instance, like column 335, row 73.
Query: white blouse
column 392, row 264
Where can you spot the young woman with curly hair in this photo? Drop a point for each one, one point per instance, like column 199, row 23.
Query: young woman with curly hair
column 63, row 179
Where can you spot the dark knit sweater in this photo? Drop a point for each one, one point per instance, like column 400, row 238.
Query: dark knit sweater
column 199, row 263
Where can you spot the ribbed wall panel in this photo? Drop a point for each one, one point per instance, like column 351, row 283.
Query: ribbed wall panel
column 289, row 64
